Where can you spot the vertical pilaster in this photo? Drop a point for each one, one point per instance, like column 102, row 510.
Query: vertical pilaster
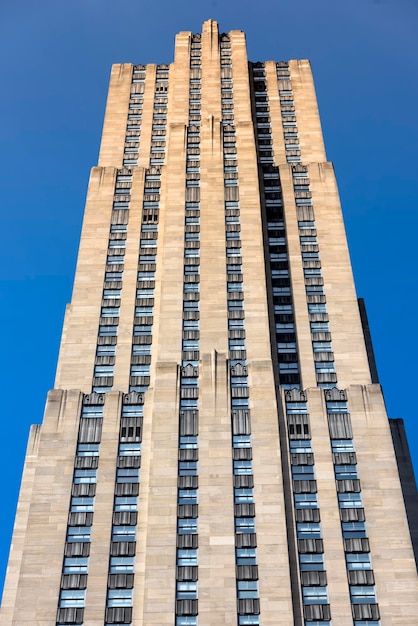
column 114, row 126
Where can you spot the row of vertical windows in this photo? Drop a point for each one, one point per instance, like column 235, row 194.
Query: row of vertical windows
column 139, row 380
column 325, row 372
column 308, row 528
column 307, row 514
column 287, row 108
column 112, row 287
column 247, row 591
column 187, row 490
column 133, row 127
column 72, row 594
column 289, row 374
column 352, row 515
column 121, row 569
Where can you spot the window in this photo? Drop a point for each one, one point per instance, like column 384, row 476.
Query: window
column 242, row 467
column 186, row 590
column 362, row 594
column 187, row 557
column 303, row 472
column 88, row 449
column 75, row 565
column 353, row 530
column 119, row 597
column 109, row 311
column 248, row 620
column 305, row 501
column 245, row 556
column 126, row 503
column 317, row 308
column 187, row 526
column 349, row 500
column 187, row 496
column 142, row 330
column 188, row 442
column 121, row 564
column 129, row 449
column 113, row 276
column 321, row 346
column 314, row 595
column 186, row 620
column 115, row 260
column 82, row 504
column 243, row 495
column 123, row 533
column 300, row 446
column 101, row 371
column 241, row 441
column 187, row 468
column 92, row 411
column 234, row 287
column 308, row 530
column 359, row 560
column 106, row 350
column 140, row 370
column 141, row 349
column 189, row 403
column 78, row 533
column 191, row 288
column 247, row 589
column 84, row 476
column 72, row 598
column 127, row 475
column 245, row 524
column 343, row 472
column 311, row 562
column 319, row 327
column 342, row 445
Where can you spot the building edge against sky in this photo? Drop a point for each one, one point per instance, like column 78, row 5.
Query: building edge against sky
column 216, row 448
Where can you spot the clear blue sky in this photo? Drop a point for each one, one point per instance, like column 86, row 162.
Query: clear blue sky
column 56, row 58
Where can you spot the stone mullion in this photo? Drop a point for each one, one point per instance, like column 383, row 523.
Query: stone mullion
column 114, row 127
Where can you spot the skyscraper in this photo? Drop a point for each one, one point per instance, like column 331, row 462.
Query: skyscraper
column 216, row 448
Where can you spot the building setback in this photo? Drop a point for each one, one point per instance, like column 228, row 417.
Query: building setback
column 216, row 449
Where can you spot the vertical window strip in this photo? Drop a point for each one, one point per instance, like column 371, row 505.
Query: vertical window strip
column 306, row 511
column 120, row 584
column 289, row 369
column 133, row 126
column 112, row 287
column 326, row 375
column 188, row 447
column 139, row 380
column 287, row 107
column 159, row 116
column 80, row 517
column 360, row 574
column 247, row 590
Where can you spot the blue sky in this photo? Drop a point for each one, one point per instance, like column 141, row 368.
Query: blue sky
column 56, row 59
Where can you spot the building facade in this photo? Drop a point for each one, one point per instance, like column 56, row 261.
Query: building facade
column 216, row 449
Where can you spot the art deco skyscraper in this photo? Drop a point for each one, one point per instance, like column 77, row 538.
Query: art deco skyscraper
column 216, row 449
